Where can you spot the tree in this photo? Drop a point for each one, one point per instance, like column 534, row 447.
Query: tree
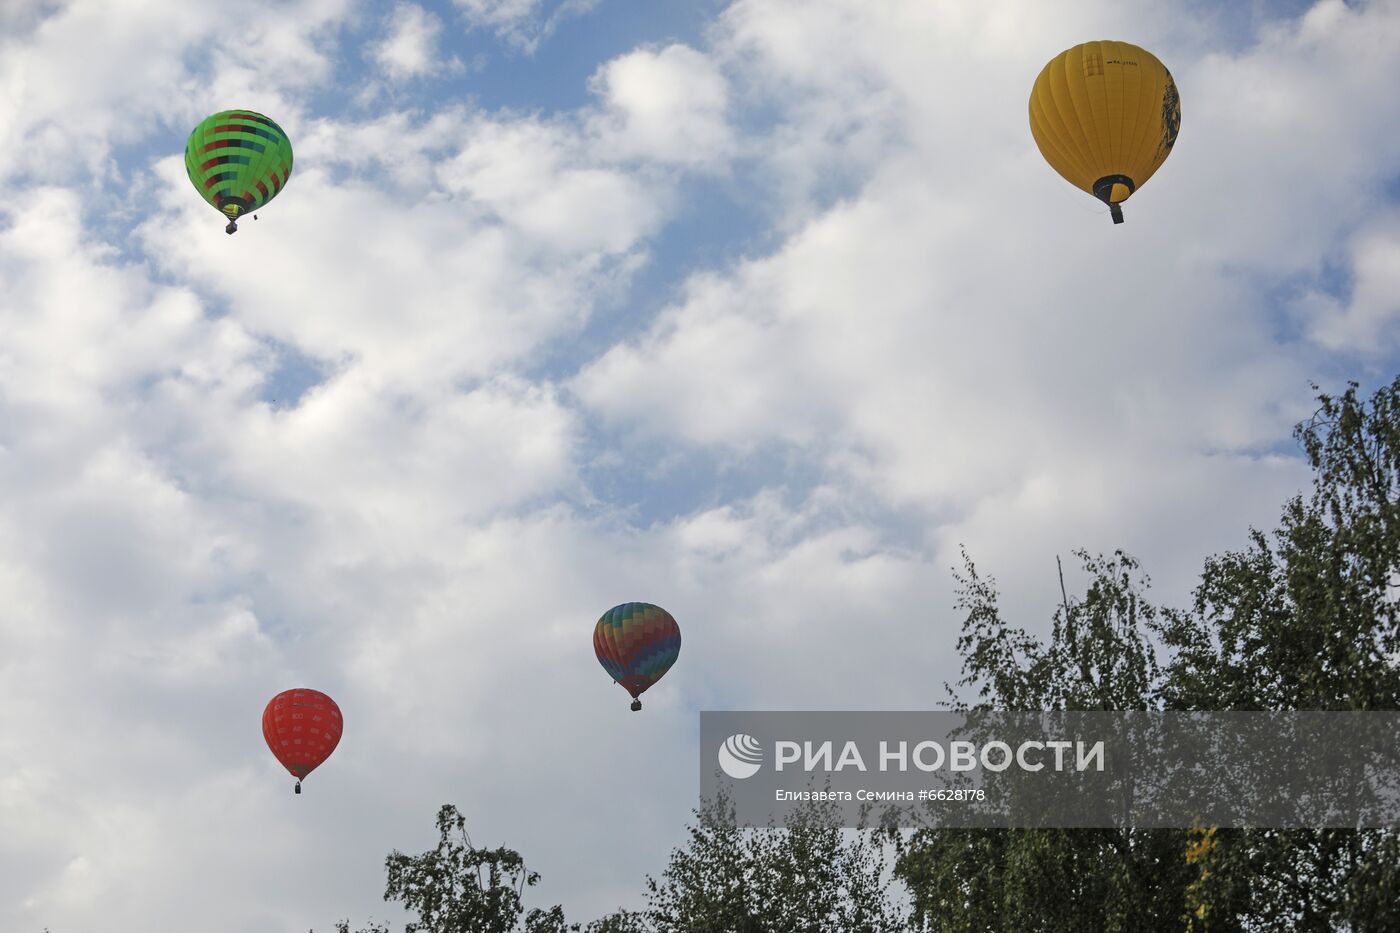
column 459, row 888
column 1099, row 656
column 624, row 921
column 1307, row 620
column 809, row 876
column 806, row 877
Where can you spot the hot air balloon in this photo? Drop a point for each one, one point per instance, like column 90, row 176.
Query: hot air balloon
column 1105, row 116
column 238, row 160
column 636, row 643
column 302, row 727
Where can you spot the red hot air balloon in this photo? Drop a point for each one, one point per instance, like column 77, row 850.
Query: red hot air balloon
column 302, row 727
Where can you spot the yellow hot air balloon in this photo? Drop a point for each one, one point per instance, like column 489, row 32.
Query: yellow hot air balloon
column 1105, row 116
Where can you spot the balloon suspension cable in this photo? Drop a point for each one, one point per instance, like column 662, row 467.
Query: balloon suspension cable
column 298, row 789
column 636, row 705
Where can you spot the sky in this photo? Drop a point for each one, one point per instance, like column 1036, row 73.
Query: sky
column 758, row 311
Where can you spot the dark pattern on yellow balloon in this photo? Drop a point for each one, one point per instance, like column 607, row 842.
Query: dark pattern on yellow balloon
column 1105, row 115
column 1171, row 116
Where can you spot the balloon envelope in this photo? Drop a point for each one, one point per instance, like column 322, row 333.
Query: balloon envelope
column 1105, row 116
column 238, row 160
column 302, row 727
column 636, row 643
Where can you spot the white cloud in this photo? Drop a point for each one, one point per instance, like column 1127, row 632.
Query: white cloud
column 404, row 145
column 498, row 12
column 948, row 339
column 423, row 291
column 1364, row 322
column 20, row 15
column 410, row 48
column 669, row 106
column 381, row 460
column 1283, row 169
column 920, row 312
column 184, row 550
column 537, row 179
column 174, row 553
column 524, row 23
column 932, row 349
column 95, row 76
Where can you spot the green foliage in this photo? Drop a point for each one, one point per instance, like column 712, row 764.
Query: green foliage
column 1305, row 619
column 1309, row 620
column 808, row 876
column 707, row 884
column 624, row 921
column 459, row 888
column 1099, row 656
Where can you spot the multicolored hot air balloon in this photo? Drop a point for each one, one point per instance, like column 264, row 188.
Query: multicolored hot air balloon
column 636, row 643
column 302, row 727
column 238, row 160
column 1105, row 116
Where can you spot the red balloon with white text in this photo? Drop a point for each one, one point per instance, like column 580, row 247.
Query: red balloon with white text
column 302, row 727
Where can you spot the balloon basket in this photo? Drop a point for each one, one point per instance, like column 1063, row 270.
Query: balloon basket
column 636, row 705
column 298, row 787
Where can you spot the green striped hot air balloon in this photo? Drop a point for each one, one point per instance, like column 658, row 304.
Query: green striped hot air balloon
column 238, row 160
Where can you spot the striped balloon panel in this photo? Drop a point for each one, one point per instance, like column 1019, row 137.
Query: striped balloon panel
column 238, row 160
column 636, row 643
column 302, row 727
